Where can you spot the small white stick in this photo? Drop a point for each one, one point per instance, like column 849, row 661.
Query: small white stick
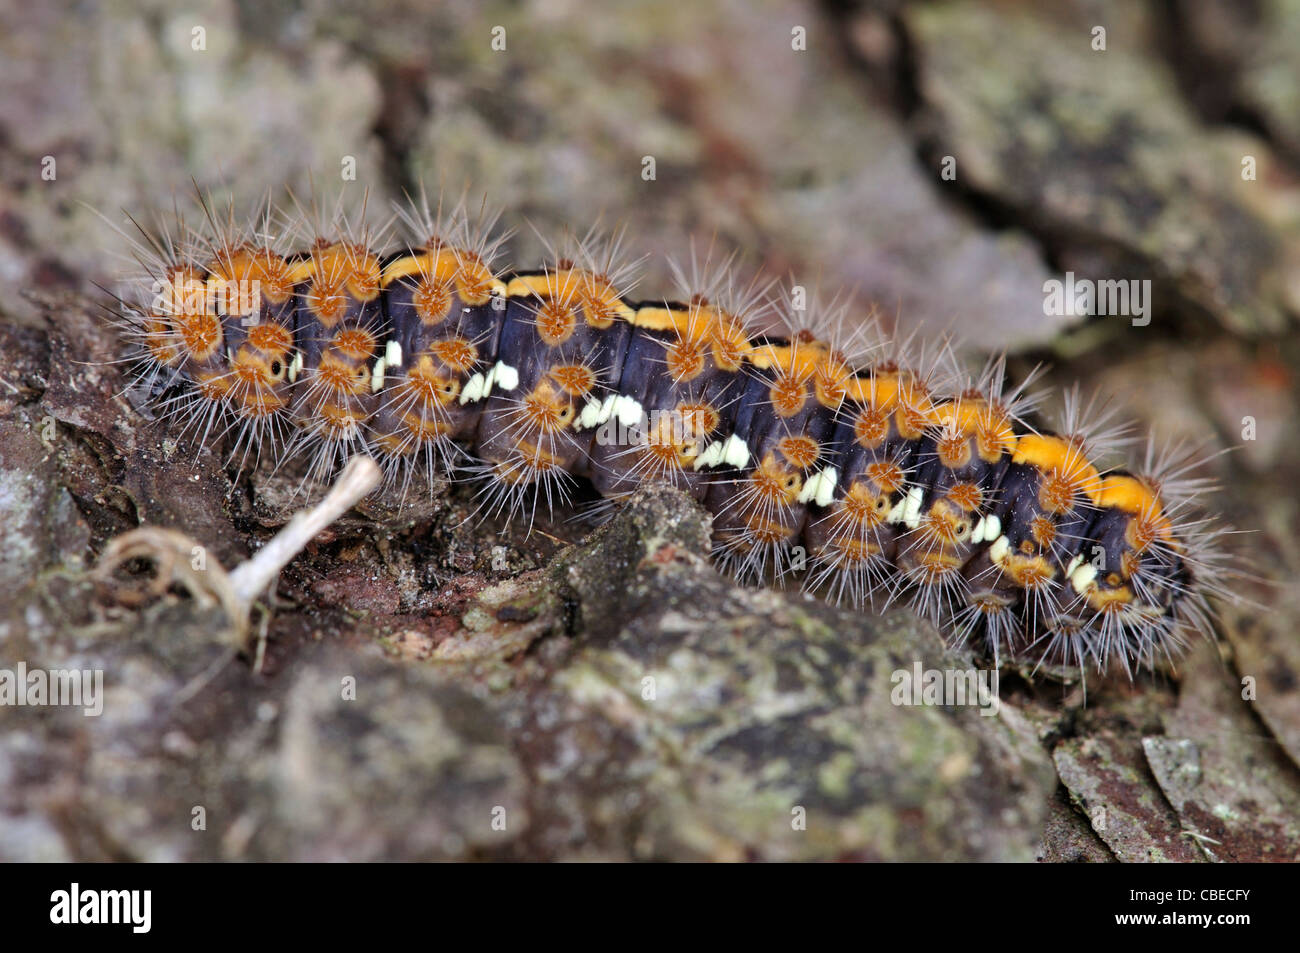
column 237, row 590
column 250, row 579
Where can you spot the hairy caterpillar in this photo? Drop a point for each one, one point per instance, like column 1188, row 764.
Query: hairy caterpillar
column 870, row 472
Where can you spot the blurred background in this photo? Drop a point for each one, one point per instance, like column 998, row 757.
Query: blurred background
column 939, row 161
column 811, row 136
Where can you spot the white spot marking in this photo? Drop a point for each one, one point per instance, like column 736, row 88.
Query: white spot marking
column 593, row 414
column 1082, row 578
column 820, row 488
column 628, row 411
column 896, row 514
column 711, row 456
column 987, row 529
column 476, row 388
column 733, row 451
column 479, row 387
column 507, row 377
column 908, row 510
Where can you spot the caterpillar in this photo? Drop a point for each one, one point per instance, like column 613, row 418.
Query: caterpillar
column 869, row 470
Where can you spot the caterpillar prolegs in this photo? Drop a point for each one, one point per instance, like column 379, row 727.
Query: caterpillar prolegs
column 868, row 470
